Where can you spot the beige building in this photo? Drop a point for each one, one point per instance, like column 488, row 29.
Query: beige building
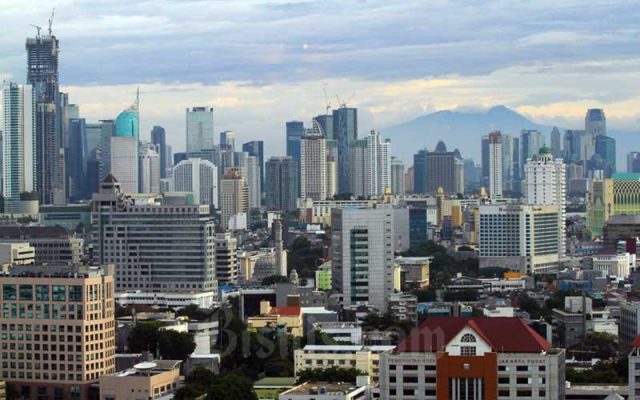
column 234, row 195
column 16, row 254
column 147, row 380
column 57, row 329
column 414, row 271
column 286, row 318
column 362, row 358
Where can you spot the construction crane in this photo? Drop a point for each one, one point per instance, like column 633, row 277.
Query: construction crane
column 38, row 28
column 343, row 104
column 326, row 102
column 51, row 20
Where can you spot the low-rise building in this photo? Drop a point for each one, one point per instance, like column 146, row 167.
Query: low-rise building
column 52, row 244
column 471, row 358
column 204, row 300
column 634, row 370
column 282, row 319
column 617, row 264
column 629, row 321
column 147, row 380
column 345, row 332
column 403, row 306
column 362, row 358
column 414, row 272
column 16, row 254
column 326, row 391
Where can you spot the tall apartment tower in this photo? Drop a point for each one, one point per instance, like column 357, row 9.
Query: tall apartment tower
column 157, row 246
column 495, row 165
column 199, row 177
column 281, row 254
column 253, row 181
column 66, row 341
column 228, row 140
column 362, row 254
column 226, row 258
column 18, row 127
column 149, row 169
column 370, row 166
column 556, row 142
column 345, row 133
column 313, row 167
column 545, row 184
column 531, row 141
column 159, row 139
column 397, row 176
column 233, row 195
column 199, row 128
column 256, row 148
column 282, row 183
column 294, row 133
column 42, row 75
column 438, row 169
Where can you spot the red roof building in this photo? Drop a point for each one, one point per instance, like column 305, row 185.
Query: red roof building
column 472, row 358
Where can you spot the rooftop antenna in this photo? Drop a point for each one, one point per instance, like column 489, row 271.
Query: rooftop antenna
column 51, row 20
column 38, row 28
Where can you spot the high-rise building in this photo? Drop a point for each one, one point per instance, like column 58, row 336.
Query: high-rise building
column 495, row 165
column 282, row 183
column 157, row 246
column 606, row 151
column 281, row 253
column 226, row 258
column 199, row 128
column 523, row 238
column 397, row 176
column 199, row 177
column 256, row 148
column 326, row 124
column 65, row 343
column 345, row 133
column 76, row 156
column 618, row 195
column 556, row 143
column 159, row 139
column 124, row 162
column 313, row 167
column 438, row 169
column 409, row 178
column 595, row 124
column 18, row 128
column 419, row 171
column 107, row 130
column 253, row 181
column 633, row 162
column 233, row 195
column 228, row 140
column 42, row 75
column 510, row 163
column 573, row 148
column 362, row 246
column 148, row 169
column 294, row 133
column 370, row 166
column 545, row 183
column 531, row 141
column 484, row 159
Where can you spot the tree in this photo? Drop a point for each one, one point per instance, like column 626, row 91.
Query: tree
column 175, row 345
column 461, row 295
column 273, row 279
column 200, row 376
column 529, row 305
column 425, row 295
column 231, row 386
column 332, row 374
column 278, row 367
column 144, row 337
column 195, row 313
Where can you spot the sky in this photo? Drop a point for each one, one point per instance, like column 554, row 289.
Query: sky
column 261, row 63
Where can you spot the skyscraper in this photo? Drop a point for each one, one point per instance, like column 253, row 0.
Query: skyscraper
column 573, row 148
column 128, row 122
column 282, row 183
column 199, row 177
column 545, row 183
column 42, row 75
column 313, row 167
column 531, row 141
column 606, row 150
column 397, row 176
column 595, row 124
column 294, row 133
column 226, row 258
column 18, row 126
column 362, row 246
column 77, row 157
column 233, row 195
column 256, row 148
column 438, row 169
column 370, row 162
column 345, row 133
column 124, row 162
column 253, row 181
column 228, row 140
column 199, row 123
column 326, row 123
column 556, row 142
column 633, row 161
column 495, row 165
column 484, row 160
column 419, row 171
column 107, row 130
column 148, row 169
column 159, row 139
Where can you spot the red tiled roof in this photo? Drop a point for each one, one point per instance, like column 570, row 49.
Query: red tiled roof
column 636, row 342
column 503, row 334
column 285, row 310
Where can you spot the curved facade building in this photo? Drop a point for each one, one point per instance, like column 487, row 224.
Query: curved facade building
column 127, row 123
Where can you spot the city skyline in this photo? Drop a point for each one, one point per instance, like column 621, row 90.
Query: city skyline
column 396, row 74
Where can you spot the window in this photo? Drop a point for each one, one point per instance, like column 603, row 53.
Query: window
column 58, row 293
column 9, row 292
column 26, row 292
column 468, row 350
column 42, row 292
column 468, row 338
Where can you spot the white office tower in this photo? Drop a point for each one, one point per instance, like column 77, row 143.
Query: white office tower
column 253, row 181
column 495, row 165
column 313, row 167
column 226, row 258
column 199, row 129
column 124, row 162
column 397, row 176
column 370, row 166
column 362, row 255
column 281, row 253
column 18, row 133
column 523, row 238
column 162, row 245
column 332, row 177
column 233, row 195
column 545, row 183
column 199, row 177
column 149, row 170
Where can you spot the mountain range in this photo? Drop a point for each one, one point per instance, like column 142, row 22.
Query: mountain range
column 463, row 130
